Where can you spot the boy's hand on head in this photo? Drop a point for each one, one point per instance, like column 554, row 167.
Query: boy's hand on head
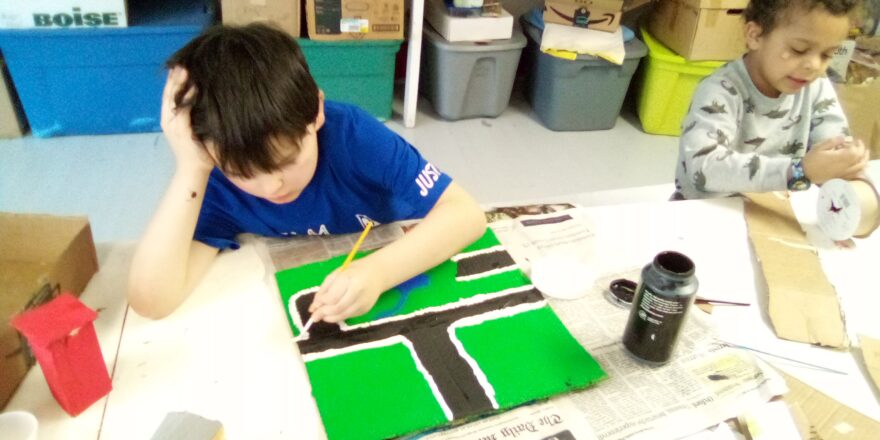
column 837, row 157
column 347, row 293
column 176, row 125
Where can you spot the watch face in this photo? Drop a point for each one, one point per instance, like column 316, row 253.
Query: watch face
column 838, row 209
column 799, row 185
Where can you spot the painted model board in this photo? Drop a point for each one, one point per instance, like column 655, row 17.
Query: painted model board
column 470, row 337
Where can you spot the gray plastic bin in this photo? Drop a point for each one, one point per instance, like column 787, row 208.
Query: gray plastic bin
column 582, row 94
column 468, row 79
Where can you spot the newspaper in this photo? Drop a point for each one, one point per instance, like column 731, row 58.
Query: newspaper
column 704, row 384
column 285, row 253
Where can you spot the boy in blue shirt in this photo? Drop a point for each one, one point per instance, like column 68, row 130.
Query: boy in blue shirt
column 771, row 120
column 259, row 150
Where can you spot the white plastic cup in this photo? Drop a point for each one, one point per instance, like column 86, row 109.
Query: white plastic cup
column 18, row 425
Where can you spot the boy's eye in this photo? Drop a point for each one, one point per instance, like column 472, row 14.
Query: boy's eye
column 799, row 52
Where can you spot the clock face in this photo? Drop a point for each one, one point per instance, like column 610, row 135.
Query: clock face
column 838, row 209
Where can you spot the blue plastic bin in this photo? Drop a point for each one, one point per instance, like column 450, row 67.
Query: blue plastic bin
column 101, row 81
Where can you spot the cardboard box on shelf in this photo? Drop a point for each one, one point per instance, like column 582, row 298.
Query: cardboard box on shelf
column 859, row 102
column 62, row 14
column 11, row 118
column 282, row 13
column 335, row 20
column 42, row 256
column 700, row 29
column 455, row 29
column 603, row 15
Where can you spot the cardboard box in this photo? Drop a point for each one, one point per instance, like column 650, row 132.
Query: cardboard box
column 335, row 20
column 11, row 118
column 282, row 13
column 62, row 14
column 603, row 15
column 455, row 29
column 859, row 103
column 42, row 256
column 700, row 29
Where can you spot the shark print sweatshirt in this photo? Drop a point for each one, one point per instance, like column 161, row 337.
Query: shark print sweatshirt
column 735, row 139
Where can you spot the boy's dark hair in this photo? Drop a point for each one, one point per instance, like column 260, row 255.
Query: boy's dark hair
column 252, row 86
column 770, row 13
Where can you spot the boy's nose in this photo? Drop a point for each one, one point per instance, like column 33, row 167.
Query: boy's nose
column 271, row 183
column 813, row 63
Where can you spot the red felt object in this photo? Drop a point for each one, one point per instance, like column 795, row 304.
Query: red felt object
column 62, row 336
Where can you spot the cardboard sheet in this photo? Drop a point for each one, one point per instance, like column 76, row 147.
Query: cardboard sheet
column 828, row 418
column 871, row 354
column 803, row 305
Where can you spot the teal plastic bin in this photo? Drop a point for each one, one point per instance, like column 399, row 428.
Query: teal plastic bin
column 356, row 72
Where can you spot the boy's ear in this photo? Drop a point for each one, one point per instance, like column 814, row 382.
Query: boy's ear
column 754, row 34
column 319, row 120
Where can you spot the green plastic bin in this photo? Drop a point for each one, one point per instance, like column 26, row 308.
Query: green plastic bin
column 356, row 72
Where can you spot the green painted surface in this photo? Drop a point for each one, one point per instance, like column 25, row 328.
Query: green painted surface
column 379, row 393
column 555, row 362
column 441, row 289
column 373, row 393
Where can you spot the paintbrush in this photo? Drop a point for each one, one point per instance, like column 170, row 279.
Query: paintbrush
column 807, row 364
column 345, row 263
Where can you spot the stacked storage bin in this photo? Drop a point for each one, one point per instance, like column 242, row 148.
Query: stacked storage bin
column 582, row 94
column 356, row 72
column 102, row 80
column 468, row 79
column 469, row 59
column 687, row 40
column 667, row 85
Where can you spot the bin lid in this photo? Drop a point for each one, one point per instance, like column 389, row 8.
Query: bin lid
column 659, row 51
column 634, row 48
column 516, row 41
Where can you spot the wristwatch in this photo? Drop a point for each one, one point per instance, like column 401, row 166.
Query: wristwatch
column 798, row 180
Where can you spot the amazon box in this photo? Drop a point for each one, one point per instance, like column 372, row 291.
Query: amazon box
column 282, row 13
column 345, row 20
column 603, row 15
column 700, row 29
column 42, row 256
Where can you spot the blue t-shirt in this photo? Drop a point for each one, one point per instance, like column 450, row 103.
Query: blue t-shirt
column 365, row 172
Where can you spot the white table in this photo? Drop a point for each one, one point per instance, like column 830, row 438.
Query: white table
column 227, row 354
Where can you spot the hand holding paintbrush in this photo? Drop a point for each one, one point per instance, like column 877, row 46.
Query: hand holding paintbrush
column 341, row 296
